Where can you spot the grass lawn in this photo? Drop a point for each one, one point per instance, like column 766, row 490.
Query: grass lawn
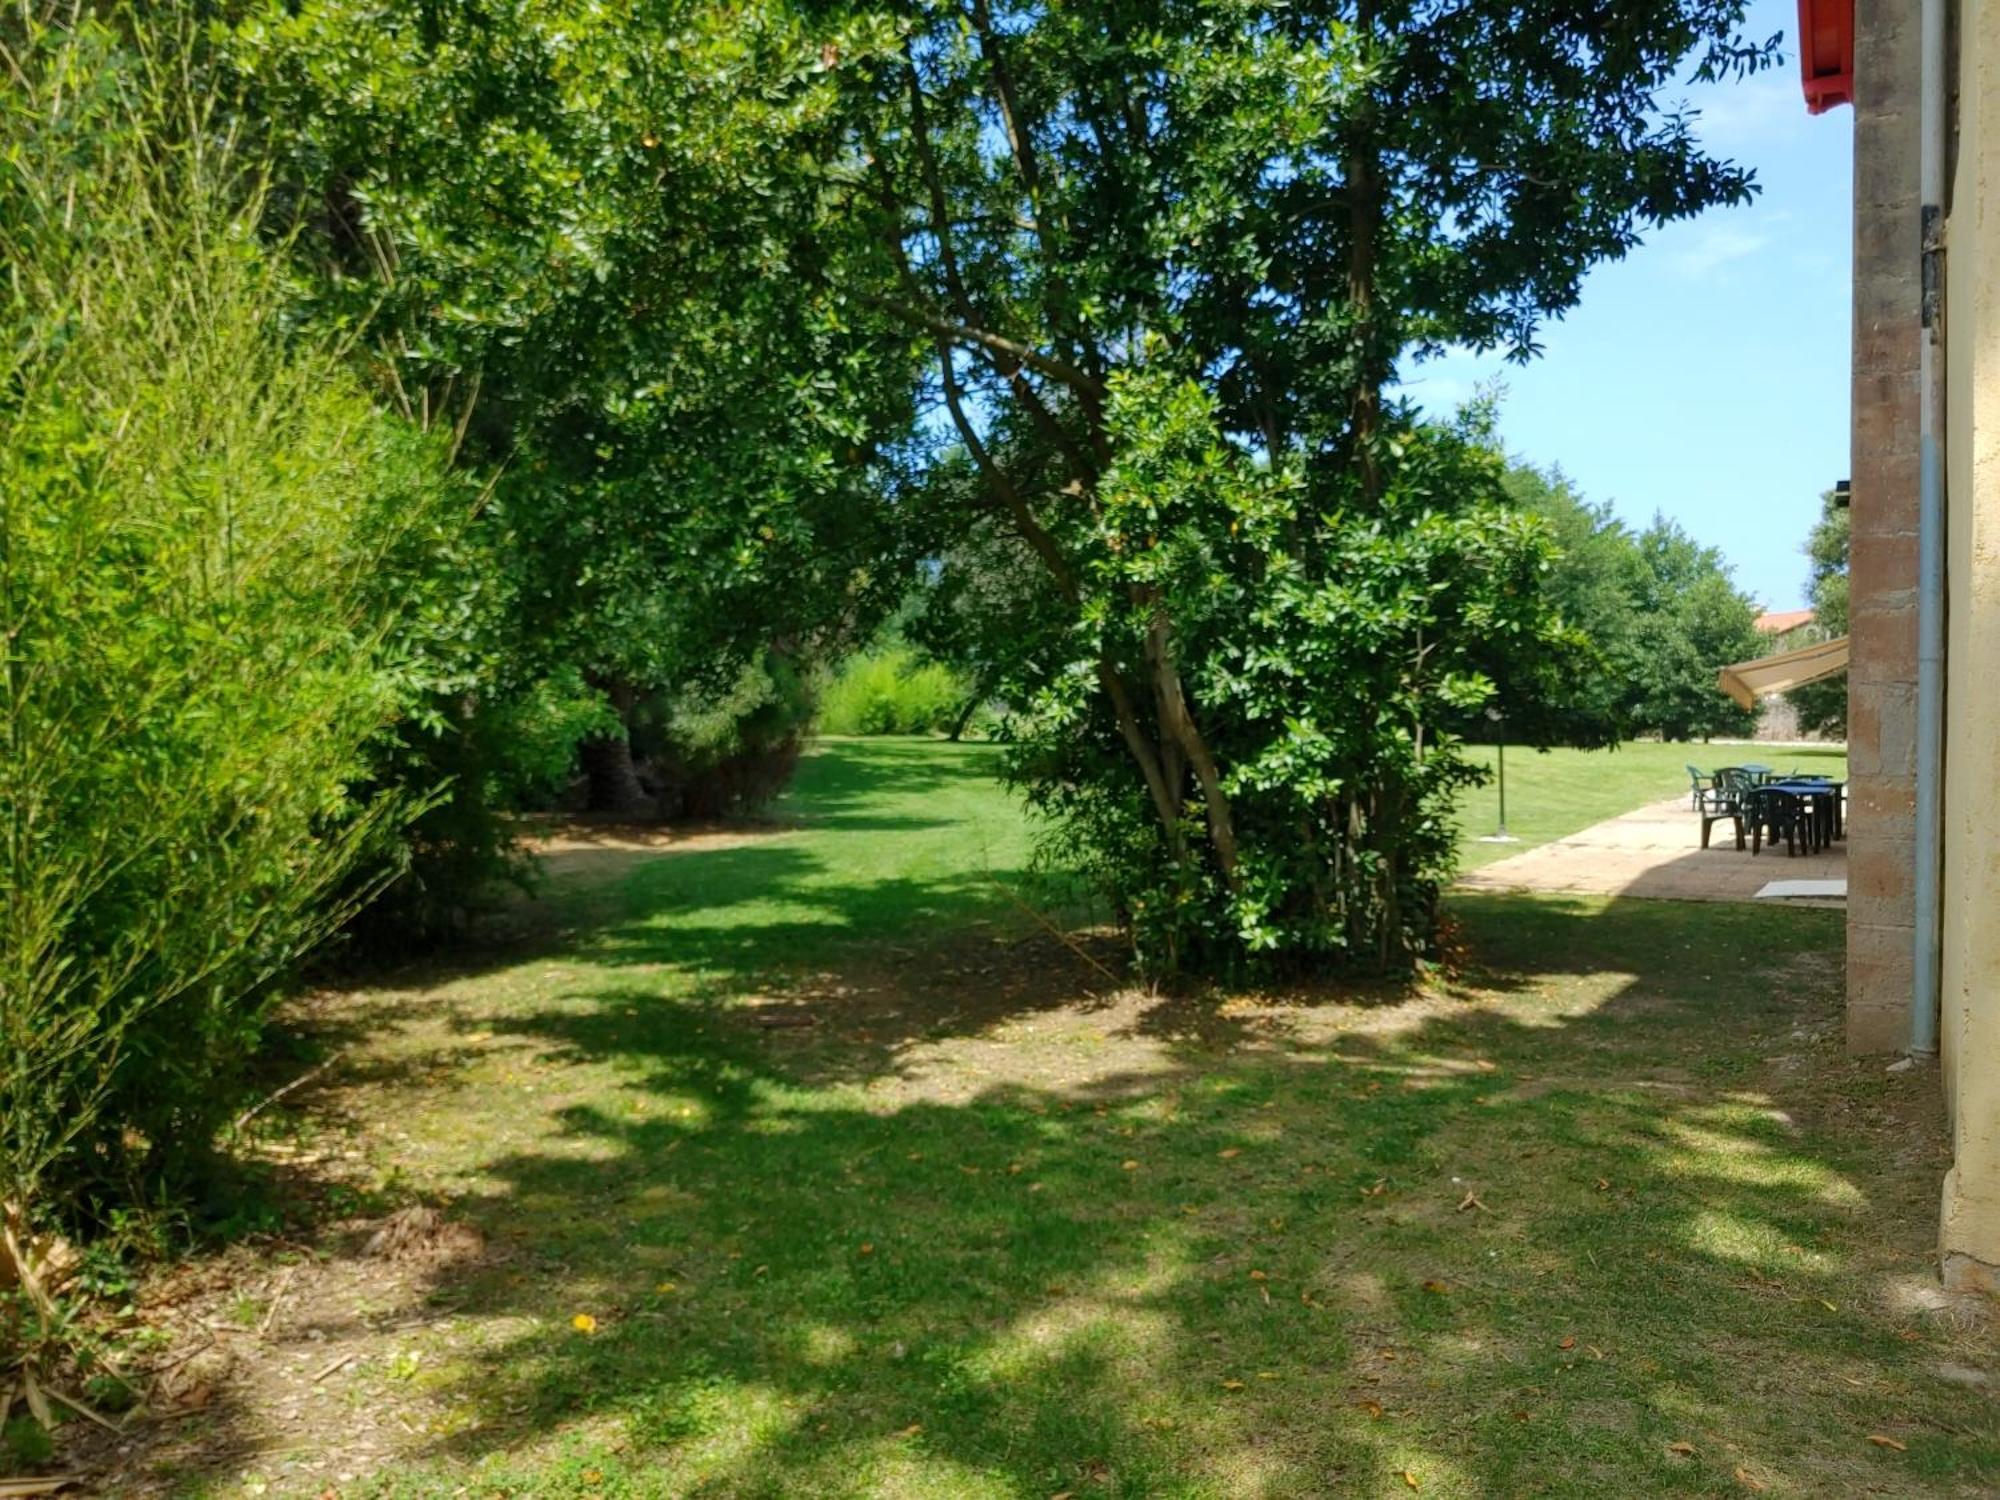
column 807, row 1165
column 1554, row 793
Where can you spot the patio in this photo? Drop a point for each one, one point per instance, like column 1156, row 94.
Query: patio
column 1655, row 851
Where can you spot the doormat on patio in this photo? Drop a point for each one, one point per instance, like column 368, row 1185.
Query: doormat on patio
column 1805, row 892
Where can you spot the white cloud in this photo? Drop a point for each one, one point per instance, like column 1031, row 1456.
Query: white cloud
column 1746, row 116
column 1705, row 248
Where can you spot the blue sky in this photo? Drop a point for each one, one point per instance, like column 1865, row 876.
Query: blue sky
column 1705, row 376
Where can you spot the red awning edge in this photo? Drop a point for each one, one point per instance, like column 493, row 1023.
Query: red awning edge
column 1826, row 53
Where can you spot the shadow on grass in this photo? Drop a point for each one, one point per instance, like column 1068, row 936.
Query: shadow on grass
column 1204, row 1268
column 984, row 1226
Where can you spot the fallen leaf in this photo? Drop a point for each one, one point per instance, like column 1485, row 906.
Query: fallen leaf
column 1267, row 1374
column 1232, row 1385
column 1603, row 1185
column 1373, row 1408
column 1524, row 1416
column 1749, row 1481
column 1410, row 1478
column 1131, row 1166
column 1471, row 1200
column 1684, row 1448
column 1258, row 1276
column 593, row 1476
column 1567, row 1341
column 583, row 1323
column 912, row 1430
column 1227, row 1152
column 868, row 1248
column 1437, row 1287
column 1882, row 1441
column 1830, row 1307
column 1486, row 1065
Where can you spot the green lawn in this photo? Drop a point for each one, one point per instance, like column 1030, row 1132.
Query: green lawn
column 1602, row 1211
column 1554, row 793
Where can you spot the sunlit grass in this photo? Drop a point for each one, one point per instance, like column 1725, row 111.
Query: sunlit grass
column 989, row 1227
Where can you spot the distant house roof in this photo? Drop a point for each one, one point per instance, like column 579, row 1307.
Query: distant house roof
column 1778, row 621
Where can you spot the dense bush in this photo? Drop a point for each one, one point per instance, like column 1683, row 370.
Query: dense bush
column 709, row 750
column 200, row 513
column 1327, row 647
column 892, row 691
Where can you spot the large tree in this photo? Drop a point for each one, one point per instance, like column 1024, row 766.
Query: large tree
column 582, row 239
column 1692, row 621
column 664, row 265
column 1169, row 257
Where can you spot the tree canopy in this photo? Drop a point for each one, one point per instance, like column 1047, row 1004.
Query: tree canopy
column 1661, row 615
column 746, row 310
column 1822, row 706
column 582, row 239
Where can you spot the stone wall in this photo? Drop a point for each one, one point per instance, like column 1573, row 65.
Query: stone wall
column 1881, row 716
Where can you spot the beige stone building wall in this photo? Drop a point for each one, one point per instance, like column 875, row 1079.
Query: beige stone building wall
column 1881, row 717
column 1969, row 1031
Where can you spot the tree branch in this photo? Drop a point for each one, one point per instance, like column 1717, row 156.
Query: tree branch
column 1179, row 723
column 1164, row 801
column 960, row 333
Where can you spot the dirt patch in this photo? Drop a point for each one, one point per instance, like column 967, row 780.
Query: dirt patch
column 577, row 852
column 299, row 1362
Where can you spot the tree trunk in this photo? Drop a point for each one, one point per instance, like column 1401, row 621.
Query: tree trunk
column 607, row 763
column 964, row 720
column 1364, row 199
column 1177, row 723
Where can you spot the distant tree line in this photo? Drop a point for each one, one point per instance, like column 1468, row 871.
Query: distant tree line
column 1660, row 611
column 1822, row 706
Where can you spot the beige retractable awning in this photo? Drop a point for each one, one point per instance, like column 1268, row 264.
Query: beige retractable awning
column 1747, row 681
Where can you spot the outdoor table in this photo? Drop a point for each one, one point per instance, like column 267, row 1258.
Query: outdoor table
column 1825, row 796
column 1834, row 790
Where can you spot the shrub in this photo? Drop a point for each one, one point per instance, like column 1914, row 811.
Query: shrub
column 479, row 752
column 891, row 691
column 197, row 644
column 710, row 752
column 1327, row 645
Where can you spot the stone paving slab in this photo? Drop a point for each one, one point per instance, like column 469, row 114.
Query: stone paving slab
column 1655, row 851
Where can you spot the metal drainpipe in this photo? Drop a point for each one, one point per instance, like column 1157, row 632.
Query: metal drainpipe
column 1930, row 539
